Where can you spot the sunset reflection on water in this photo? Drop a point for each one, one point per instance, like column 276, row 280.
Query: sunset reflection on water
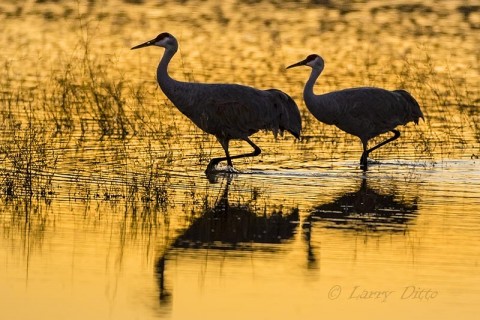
column 106, row 212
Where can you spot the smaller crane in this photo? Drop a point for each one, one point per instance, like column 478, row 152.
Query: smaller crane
column 365, row 112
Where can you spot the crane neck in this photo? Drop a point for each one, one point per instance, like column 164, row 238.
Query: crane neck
column 163, row 77
column 308, row 90
column 172, row 88
column 323, row 107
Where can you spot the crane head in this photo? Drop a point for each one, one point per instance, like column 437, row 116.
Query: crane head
column 314, row 61
column 165, row 40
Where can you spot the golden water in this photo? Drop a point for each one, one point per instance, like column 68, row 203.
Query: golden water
column 106, row 212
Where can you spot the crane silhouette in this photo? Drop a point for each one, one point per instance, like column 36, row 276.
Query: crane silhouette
column 227, row 111
column 365, row 112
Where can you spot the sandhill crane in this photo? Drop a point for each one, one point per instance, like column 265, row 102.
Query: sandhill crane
column 227, row 111
column 365, row 112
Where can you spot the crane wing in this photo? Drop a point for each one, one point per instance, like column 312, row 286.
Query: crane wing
column 236, row 112
column 367, row 112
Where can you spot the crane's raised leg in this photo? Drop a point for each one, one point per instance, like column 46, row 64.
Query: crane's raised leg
column 224, row 143
column 364, row 158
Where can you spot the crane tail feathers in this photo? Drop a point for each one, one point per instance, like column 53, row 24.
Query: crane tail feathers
column 289, row 118
column 413, row 108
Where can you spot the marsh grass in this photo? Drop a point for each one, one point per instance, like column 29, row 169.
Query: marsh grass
column 29, row 164
column 151, row 186
column 449, row 123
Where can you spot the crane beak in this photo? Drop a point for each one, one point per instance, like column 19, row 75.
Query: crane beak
column 301, row 63
column 145, row 44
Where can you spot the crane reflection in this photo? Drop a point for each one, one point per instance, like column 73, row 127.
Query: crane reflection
column 232, row 223
column 367, row 210
column 363, row 209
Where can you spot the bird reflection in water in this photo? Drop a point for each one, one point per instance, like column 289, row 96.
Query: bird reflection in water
column 365, row 209
column 238, row 225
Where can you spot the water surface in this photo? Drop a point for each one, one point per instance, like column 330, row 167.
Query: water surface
column 106, row 212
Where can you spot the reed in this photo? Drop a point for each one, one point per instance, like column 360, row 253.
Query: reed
column 29, row 164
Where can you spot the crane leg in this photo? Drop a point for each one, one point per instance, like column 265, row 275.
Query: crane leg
column 364, row 158
column 215, row 161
